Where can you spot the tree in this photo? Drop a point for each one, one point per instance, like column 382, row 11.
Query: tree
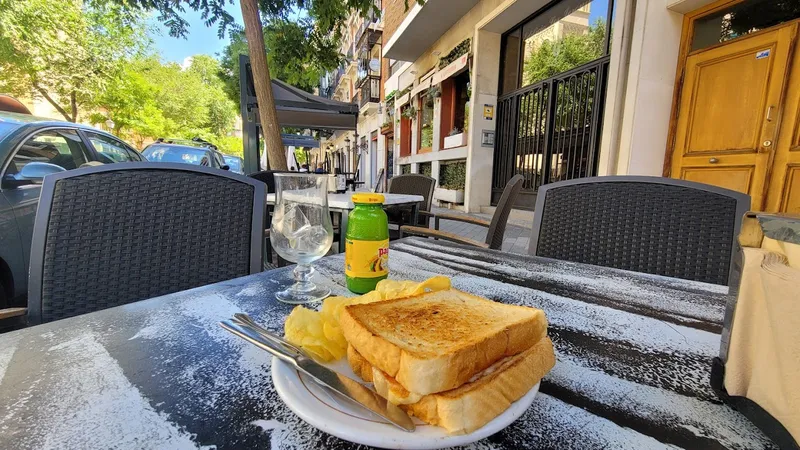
column 65, row 51
column 572, row 50
column 293, row 52
column 150, row 99
column 327, row 16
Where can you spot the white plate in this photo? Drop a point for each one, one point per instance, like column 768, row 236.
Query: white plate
column 341, row 418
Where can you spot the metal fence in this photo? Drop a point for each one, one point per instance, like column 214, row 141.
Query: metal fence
column 550, row 131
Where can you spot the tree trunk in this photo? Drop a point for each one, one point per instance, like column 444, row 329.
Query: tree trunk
column 53, row 102
column 74, row 104
column 267, row 113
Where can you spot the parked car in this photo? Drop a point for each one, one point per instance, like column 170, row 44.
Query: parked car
column 235, row 163
column 30, row 148
column 185, row 151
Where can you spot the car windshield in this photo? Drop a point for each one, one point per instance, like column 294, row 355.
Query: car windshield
column 234, row 163
column 164, row 153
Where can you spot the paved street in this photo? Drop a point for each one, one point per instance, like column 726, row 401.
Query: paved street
column 515, row 240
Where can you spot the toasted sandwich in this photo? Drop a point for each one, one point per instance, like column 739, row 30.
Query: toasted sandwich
column 475, row 403
column 438, row 341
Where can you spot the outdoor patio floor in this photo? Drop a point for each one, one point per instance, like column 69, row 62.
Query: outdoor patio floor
column 515, row 240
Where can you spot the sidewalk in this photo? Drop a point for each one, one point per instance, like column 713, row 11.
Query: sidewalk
column 515, row 240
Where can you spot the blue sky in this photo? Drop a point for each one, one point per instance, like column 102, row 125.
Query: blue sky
column 200, row 40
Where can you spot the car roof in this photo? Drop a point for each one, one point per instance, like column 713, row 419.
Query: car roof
column 26, row 119
column 16, row 124
column 180, row 146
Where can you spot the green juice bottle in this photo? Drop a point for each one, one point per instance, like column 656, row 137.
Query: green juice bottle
column 366, row 254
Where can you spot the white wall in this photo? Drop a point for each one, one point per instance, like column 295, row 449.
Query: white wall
column 638, row 108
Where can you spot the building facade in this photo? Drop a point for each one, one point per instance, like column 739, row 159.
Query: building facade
column 358, row 80
column 476, row 91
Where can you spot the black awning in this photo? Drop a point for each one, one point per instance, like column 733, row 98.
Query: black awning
column 296, row 108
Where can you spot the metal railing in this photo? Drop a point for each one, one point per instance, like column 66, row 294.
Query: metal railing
column 370, row 91
column 550, row 131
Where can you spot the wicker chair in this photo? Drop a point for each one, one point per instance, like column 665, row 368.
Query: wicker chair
column 654, row 225
column 497, row 226
column 110, row 235
column 411, row 184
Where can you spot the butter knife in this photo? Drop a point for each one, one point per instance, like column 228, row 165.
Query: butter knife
column 342, row 385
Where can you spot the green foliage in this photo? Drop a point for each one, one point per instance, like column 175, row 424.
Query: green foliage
column 295, row 55
column 573, row 50
column 462, row 48
column 426, row 169
column 230, row 145
column 300, row 156
column 453, row 175
column 405, row 168
column 328, row 14
column 66, row 51
column 149, row 99
column 409, row 113
column 426, row 138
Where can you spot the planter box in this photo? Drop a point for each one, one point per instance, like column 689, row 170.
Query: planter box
column 449, row 195
column 388, row 129
column 456, row 140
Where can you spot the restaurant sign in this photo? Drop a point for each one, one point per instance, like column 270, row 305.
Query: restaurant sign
column 452, row 69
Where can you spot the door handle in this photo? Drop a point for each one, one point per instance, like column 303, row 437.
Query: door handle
column 769, row 113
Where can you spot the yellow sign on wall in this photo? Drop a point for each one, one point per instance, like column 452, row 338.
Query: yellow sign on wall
column 488, row 112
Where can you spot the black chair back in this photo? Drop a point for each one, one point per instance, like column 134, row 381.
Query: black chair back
column 497, row 228
column 110, row 235
column 654, row 225
column 412, row 184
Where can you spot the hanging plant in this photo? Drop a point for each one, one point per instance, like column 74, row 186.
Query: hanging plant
column 461, row 49
column 434, row 91
column 409, row 113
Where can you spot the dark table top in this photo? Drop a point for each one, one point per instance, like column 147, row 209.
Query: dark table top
column 633, row 350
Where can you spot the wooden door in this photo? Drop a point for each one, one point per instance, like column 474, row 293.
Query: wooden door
column 729, row 113
column 783, row 193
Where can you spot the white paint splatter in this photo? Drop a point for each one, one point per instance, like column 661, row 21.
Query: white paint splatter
column 655, row 405
column 267, row 425
column 91, row 404
column 6, row 352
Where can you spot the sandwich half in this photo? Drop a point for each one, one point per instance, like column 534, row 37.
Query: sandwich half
column 438, row 341
column 474, row 404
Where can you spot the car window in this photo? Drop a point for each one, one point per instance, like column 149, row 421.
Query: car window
column 218, row 158
column 134, row 155
column 60, row 147
column 179, row 154
column 109, row 150
column 234, row 163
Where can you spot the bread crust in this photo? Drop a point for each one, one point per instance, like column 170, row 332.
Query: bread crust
column 425, row 372
column 474, row 404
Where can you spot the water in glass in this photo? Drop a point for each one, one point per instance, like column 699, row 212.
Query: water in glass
column 301, row 231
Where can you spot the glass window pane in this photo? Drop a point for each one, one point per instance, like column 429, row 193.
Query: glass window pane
column 569, row 35
column 426, row 123
column 742, row 19
column 60, row 147
column 108, row 150
column 510, row 62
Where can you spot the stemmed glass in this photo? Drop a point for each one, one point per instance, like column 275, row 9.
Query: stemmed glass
column 301, row 231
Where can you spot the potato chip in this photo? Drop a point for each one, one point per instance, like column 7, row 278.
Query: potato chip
column 318, row 332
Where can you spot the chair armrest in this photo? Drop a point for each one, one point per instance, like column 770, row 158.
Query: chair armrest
column 12, row 312
column 462, row 218
column 426, row 213
column 427, row 232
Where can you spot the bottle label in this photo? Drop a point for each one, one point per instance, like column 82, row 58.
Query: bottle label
column 366, row 259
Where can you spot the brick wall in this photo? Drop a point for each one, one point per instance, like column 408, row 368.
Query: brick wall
column 394, row 11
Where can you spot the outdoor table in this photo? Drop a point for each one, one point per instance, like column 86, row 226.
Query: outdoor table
column 634, row 353
column 342, row 204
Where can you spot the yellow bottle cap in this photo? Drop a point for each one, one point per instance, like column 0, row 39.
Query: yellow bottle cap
column 368, row 198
